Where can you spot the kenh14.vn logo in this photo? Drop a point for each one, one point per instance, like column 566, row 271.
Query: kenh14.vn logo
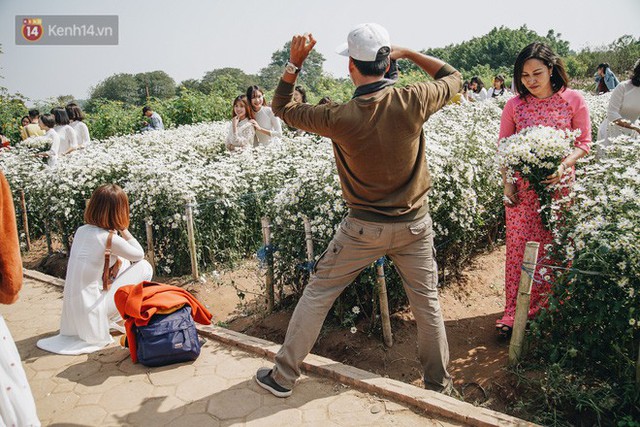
column 32, row 29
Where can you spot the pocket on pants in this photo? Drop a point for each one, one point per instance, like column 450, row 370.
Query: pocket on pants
column 324, row 265
column 422, row 227
column 360, row 230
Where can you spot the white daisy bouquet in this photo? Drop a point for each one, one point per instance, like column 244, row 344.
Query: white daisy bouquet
column 536, row 153
column 37, row 143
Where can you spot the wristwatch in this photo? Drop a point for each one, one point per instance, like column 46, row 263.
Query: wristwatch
column 291, row 68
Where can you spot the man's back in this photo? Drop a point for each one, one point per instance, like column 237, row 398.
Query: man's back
column 378, row 141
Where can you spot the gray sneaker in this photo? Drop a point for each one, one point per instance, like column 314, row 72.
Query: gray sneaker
column 264, row 380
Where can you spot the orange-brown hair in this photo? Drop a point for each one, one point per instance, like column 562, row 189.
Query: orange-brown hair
column 108, row 208
column 248, row 110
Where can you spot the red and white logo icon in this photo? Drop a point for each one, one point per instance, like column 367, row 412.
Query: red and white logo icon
column 32, row 29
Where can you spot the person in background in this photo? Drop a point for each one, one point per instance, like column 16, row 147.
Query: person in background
column 24, row 121
column 4, row 141
column 267, row 125
column 68, row 136
column 623, row 111
column 76, row 116
column 155, row 121
column 498, row 88
column 47, row 124
column 17, row 407
column 89, row 312
column 33, row 127
column 325, row 100
column 605, row 79
column 300, row 95
column 241, row 131
column 544, row 100
column 477, row 92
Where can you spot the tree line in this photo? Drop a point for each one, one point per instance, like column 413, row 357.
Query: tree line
column 115, row 103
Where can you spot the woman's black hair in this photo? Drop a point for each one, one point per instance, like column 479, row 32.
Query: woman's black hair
column 48, row 120
column 251, row 90
column 541, row 52
column 61, row 116
column 302, row 92
column 74, row 112
column 476, row 79
column 603, row 66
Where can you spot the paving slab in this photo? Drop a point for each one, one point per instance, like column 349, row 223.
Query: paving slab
column 105, row 388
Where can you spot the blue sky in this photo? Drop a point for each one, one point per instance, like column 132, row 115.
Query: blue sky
column 189, row 37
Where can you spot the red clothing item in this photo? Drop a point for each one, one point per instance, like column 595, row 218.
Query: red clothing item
column 137, row 303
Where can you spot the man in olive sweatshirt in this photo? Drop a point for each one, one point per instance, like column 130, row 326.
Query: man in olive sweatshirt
column 379, row 147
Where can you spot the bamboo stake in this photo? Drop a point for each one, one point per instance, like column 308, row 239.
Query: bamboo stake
column 638, row 370
column 308, row 238
column 47, row 233
column 192, row 242
column 151, row 254
column 65, row 237
column 384, row 303
column 266, row 235
column 523, row 301
column 25, row 220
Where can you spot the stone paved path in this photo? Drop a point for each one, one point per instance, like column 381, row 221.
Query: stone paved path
column 105, row 388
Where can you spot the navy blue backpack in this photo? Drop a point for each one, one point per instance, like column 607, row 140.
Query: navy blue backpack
column 168, row 338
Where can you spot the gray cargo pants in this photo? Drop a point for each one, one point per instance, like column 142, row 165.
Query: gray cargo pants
column 356, row 245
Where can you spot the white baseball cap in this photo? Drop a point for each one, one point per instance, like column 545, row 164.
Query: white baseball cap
column 365, row 41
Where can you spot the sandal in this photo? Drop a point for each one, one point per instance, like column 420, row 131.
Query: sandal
column 504, row 331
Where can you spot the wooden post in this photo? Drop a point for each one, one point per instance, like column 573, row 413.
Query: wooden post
column 522, row 304
column 266, row 235
column 25, row 220
column 47, row 233
column 384, row 303
column 638, row 370
column 192, row 242
column 308, row 238
column 151, row 254
column 65, row 237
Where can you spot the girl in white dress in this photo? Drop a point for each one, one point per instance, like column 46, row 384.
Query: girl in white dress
column 498, row 88
column 477, row 91
column 46, row 123
column 266, row 124
column 68, row 136
column 241, row 131
column 76, row 116
column 88, row 312
column 623, row 111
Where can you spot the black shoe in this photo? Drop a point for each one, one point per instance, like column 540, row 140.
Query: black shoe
column 264, row 380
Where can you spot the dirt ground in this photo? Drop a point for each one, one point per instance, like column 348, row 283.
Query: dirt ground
column 470, row 305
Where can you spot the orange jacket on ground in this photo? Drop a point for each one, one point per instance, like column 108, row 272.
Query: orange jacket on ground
column 137, row 303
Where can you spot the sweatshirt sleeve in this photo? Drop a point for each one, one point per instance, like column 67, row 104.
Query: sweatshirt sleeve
column 10, row 261
column 435, row 95
column 310, row 118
